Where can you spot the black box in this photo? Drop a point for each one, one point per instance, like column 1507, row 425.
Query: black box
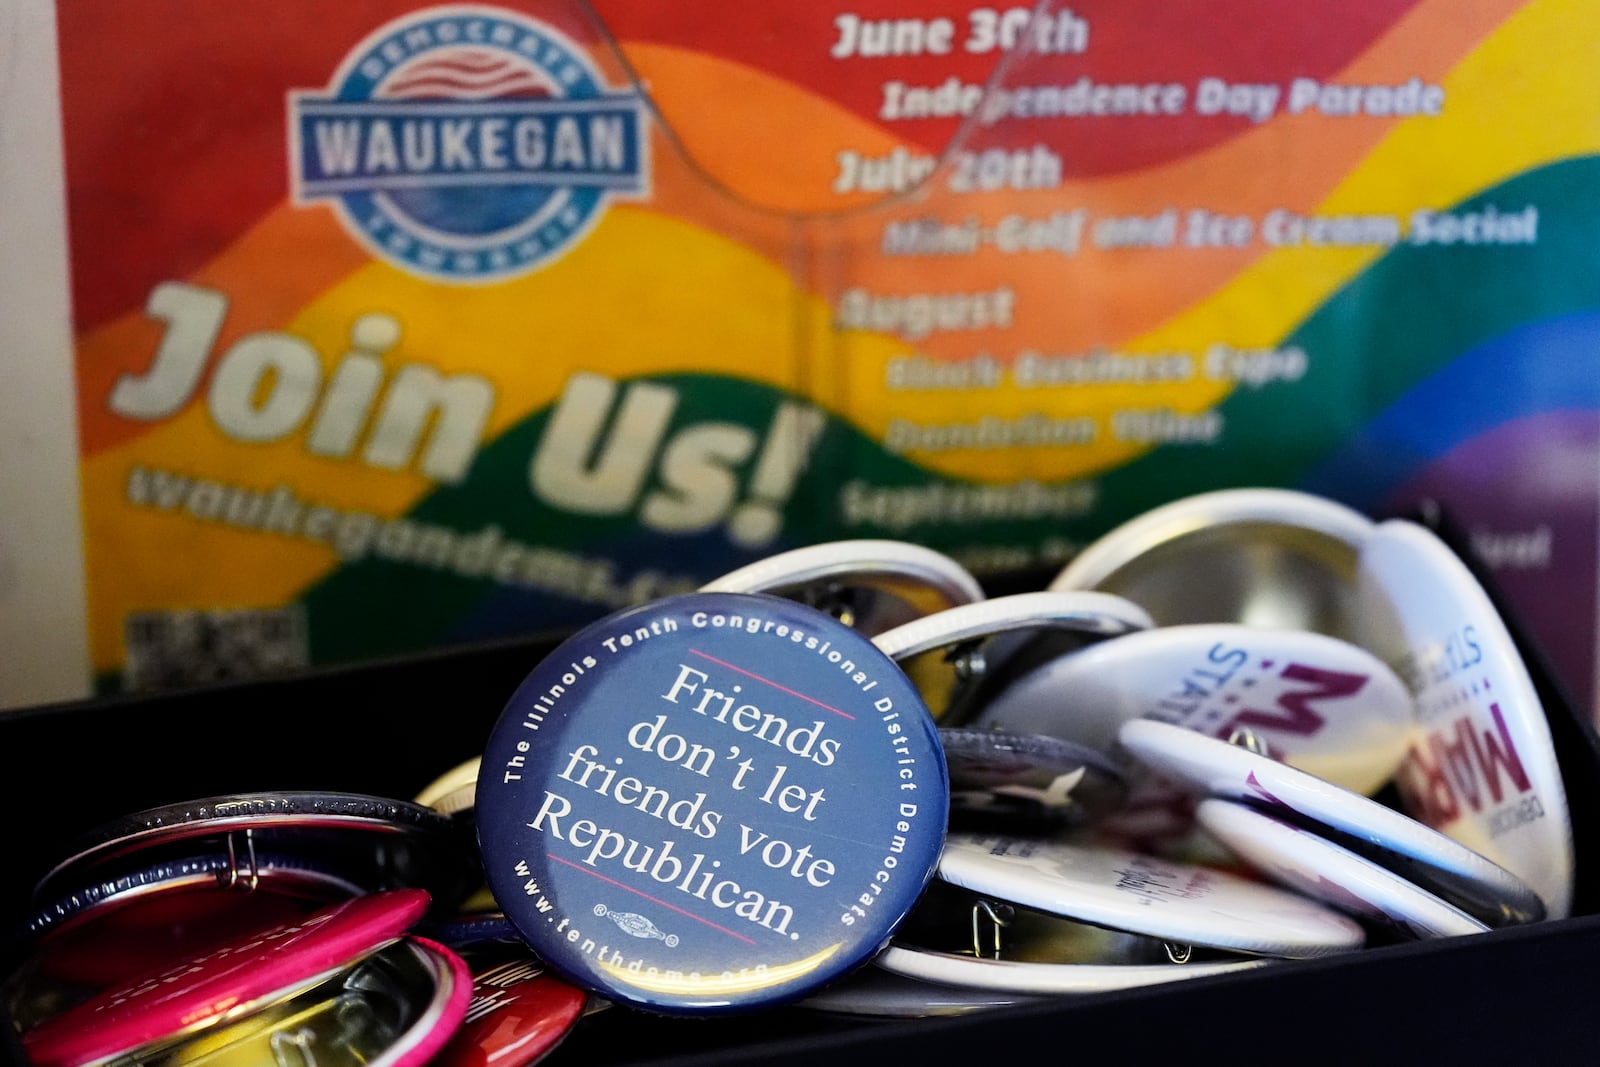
column 1518, row 995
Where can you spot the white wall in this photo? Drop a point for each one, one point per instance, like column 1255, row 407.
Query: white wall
column 44, row 654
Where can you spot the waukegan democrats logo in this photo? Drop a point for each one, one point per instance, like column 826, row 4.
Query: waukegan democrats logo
column 468, row 143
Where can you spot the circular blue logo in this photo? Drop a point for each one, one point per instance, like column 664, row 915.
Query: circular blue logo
column 468, row 143
column 711, row 802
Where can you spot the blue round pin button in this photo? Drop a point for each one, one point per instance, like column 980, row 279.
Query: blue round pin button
column 710, row 803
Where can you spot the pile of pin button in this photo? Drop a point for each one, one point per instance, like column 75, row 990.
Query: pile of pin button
column 1225, row 736
column 266, row 928
column 1246, row 728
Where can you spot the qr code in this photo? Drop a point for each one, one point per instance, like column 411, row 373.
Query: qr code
column 173, row 649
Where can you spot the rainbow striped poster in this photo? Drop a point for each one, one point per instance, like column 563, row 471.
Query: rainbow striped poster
column 399, row 325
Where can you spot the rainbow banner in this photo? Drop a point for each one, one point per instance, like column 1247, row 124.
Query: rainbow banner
column 399, row 326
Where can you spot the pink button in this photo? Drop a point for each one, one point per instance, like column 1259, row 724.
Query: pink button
column 226, row 981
